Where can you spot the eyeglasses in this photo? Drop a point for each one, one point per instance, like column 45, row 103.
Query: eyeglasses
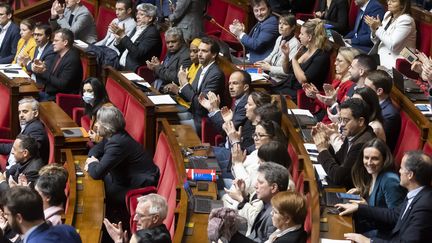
column 257, row 135
column 138, row 215
column 344, row 120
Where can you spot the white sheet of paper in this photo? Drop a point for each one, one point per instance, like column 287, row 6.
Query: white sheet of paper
column 300, row 22
column 162, row 100
column 10, row 66
column 81, row 44
column 258, row 76
column 132, row 76
column 20, row 74
column 144, row 83
column 325, row 240
column 300, row 112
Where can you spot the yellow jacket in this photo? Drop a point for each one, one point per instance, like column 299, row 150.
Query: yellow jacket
column 29, row 50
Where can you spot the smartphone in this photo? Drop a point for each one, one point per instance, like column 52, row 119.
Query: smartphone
column 11, row 71
column 423, row 107
column 348, row 196
column 409, row 55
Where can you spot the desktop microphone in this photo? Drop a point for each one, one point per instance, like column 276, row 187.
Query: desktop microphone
column 213, row 21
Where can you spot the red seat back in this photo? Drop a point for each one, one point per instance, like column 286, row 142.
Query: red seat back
column 132, row 202
column 161, row 154
column 403, row 66
column 51, row 158
column 308, row 220
column 427, row 148
column 104, row 18
column 232, row 12
column 218, row 10
column 352, row 14
column 68, row 101
column 135, row 127
column 3, row 158
column 299, row 183
column 424, row 38
column 208, row 133
column 409, row 138
column 4, row 106
column 90, row 6
column 116, row 93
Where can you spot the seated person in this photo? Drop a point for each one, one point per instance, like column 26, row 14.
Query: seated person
column 334, row 13
column 150, row 213
column 124, row 19
column 28, row 112
column 273, row 62
column 288, row 216
column 28, row 163
column 188, row 16
column 381, row 82
column 375, row 181
column 44, row 51
column 10, row 34
column 177, row 56
column 74, row 16
column 26, row 45
column 144, row 42
column 94, row 96
column 261, row 39
column 410, row 222
column 354, row 120
column 51, row 186
column 310, row 64
column 397, row 31
column 65, row 73
column 256, row 208
column 359, row 37
column 119, row 160
column 209, row 78
column 224, row 225
column 375, row 119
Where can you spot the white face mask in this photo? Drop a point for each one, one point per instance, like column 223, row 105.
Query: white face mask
column 88, row 98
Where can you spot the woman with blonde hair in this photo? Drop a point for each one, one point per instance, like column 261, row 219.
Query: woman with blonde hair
column 26, row 45
column 310, row 64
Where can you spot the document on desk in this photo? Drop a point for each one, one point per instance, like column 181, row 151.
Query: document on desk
column 324, row 240
column 15, row 73
column 10, row 66
column 258, row 76
column 162, row 100
column 321, row 173
column 81, row 44
column 132, row 76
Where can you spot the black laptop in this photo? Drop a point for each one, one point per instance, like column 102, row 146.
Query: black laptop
column 201, row 204
column 408, row 87
column 203, row 162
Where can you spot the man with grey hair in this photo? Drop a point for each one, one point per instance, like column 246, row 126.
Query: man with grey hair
column 150, row 213
column 256, row 208
column 144, row 41
column 28, row 112
column 177, row 56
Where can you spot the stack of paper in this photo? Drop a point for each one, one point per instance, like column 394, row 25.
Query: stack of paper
column 324, row 240
column 15, row 73
column 162, row 100
column 81, row 44
column 132, row 76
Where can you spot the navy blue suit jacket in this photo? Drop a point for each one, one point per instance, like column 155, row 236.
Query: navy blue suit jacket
column 387, row 193
column 362, row 41
column 392, row 122
column 45, row 233
column 261, row 39
column 48, row 56
column 415, row 226
column 9, row 46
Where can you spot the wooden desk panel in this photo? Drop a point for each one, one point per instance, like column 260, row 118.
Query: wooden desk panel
column 90, row 210
column 338, row 225
column 186, row 136
column 26, row 87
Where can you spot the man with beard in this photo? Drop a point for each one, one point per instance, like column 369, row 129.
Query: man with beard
column 23, row 210
column 28, row 111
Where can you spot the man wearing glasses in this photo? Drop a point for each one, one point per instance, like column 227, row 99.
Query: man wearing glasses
column 150, row 213
column 353, row 122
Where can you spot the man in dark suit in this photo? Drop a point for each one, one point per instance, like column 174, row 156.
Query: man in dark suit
column 144, row 42
column 382, row 83
column 208, row 78
column 261, row 39
column 9, row 34
column 28, row 111
column 26, row 152
column 410, row 222
column 359, row 37
column 239, row 83
column 23, row 209
column 354, row 120
column 44, row 52
column 65, row 74
column 177, row 56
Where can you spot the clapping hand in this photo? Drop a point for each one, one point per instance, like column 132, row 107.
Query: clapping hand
column 330, row 95
column 320, row 139
column 57, row 9
column 310, row 90
column 211, row 103
column 264, row 65
column 38, row 66
column 238, row 156
column 118, row 31
column 237, row 190
column 233, row 135
column 373, row 22
column 227, row 114
column 182, row 76
column 284, row 47
column 154, row 62
column 116, row 231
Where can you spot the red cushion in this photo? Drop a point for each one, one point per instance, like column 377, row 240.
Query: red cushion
column 84, row 63
column 308, row 220
column 4, row 106
column 51, row 158
column 294, row 169
column 216, row 9
column 132, row 202
column 68, row 101
column 146, row 73
column 90, row 6
column 117, row 95
column 208, row 133
column 299, row 183
column 403, row 66
column 424, row 38
column 409, row 138
column 161, row 154
column 134, row 115
column 104, row 18
column 232, row 12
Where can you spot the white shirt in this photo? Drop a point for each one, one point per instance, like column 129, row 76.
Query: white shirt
column 109, row 40
column 139, row 30
column 40, row 50
column 203, row 72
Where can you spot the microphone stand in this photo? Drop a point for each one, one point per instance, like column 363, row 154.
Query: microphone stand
column 213, row 21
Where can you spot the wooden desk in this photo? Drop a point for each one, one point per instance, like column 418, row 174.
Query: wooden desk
column 26, row 87
column 90, row 207
column 338, row 225
column 186, row 136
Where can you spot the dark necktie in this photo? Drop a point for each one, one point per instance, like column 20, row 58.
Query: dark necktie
column 70, row 19
column 358, row 20
column 56, row 64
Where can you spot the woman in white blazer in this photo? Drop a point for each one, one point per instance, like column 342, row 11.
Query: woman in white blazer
column 397, row 31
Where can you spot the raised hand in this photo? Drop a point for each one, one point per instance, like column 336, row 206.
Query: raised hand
column 233, row 135
column 182, row 76
column 116, row 231
column 237, row 154
column 227, row 114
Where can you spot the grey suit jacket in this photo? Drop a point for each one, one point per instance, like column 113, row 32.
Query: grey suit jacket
column 83, row 25
column 262, row 227
column 188, row 16
column 169, row 73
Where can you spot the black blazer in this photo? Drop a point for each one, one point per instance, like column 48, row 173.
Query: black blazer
column 392, row 123
column 36, row 130
column 214, row 80
column 67, row 77
column 169, row 73
column 147, row 45
column 30, row 169
column 416, row 224
column 8, row 48
column 125, row 159
column 336, row 14
column 297, row 236
column 48, row 56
